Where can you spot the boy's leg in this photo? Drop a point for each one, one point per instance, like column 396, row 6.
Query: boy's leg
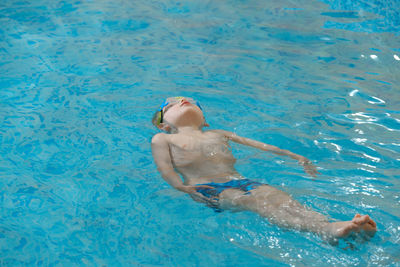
column 275, row 205
column 279, row 208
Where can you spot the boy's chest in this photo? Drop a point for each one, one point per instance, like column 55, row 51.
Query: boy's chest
column 197, row 143
column 192, row 148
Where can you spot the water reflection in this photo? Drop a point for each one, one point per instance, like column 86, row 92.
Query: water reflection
column 359, row 140
column 375, row 57
column 367, row 165
column 379, row 101
column 362, row 188
column 352, row 93
column 374, row 159
column 386, row 120
column 360, row 117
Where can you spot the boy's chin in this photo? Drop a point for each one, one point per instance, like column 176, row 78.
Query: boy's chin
column 190, row 114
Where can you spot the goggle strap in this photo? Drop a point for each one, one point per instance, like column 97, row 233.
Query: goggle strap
column 198, row 104
column 163, row 105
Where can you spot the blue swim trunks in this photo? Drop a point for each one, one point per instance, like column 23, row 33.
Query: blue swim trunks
column 213, row 193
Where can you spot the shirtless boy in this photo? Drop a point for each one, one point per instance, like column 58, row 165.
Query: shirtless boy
column 206, row 164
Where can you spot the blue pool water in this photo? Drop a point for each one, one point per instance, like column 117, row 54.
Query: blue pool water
column 80, row 81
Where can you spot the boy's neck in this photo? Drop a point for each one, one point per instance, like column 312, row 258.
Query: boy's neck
column 189, row 129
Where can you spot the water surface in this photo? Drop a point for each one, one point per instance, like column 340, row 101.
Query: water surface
column 80, row 81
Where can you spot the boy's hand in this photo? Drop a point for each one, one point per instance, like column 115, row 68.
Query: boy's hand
column 308, row 167
column 191, row 190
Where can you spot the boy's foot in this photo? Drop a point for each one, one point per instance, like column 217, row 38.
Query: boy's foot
column 343, row 229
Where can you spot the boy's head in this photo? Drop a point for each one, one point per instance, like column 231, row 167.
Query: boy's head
column 177, row 112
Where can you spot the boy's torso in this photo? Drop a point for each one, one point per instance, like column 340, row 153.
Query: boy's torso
column 202, row 157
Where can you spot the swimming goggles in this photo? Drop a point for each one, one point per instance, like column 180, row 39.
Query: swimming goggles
column 173, row 100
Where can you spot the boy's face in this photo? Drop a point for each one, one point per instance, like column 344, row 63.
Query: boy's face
column 182, row 111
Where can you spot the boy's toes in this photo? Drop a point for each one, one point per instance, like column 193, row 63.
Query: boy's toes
column 359, row 220
column 365, row 223
column 373, row 223
column 370, row 228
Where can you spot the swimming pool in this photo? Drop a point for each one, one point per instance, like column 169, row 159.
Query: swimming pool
column 80, row 81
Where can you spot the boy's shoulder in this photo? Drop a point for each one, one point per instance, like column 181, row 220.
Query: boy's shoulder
column 220, row 132
column 165, row 138
column 159, row 138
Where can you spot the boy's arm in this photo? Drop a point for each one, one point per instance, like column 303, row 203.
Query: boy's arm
column 162, row 158
column 306, row 163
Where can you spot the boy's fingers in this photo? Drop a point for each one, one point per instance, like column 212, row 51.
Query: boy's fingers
column 312, row 172
column 204, row 198
column 203, row 186
column 198, row 198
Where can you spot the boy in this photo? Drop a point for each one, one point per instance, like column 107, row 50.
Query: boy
column 206, row 164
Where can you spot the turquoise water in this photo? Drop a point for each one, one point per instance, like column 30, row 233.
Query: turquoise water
column 80, row 81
